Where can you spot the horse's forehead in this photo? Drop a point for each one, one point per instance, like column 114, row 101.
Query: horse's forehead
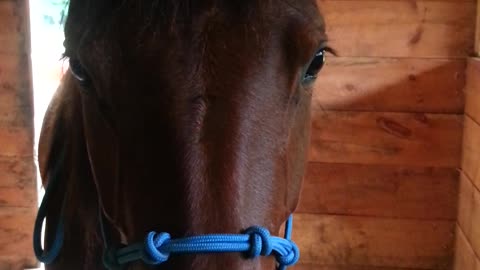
column 209, row 45
column 253, row 23
column 90, row 20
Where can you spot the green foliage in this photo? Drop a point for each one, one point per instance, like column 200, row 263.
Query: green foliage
column 55, row 11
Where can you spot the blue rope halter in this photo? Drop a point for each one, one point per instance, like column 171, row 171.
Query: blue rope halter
column 158, row 247
column 256, row 241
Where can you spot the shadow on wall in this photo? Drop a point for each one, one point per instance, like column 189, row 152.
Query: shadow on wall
column 382, row 183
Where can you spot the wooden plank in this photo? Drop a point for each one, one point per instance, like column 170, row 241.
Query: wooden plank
column 472, row 89
column 465, row 259
column 471, row 150
column 16, row 237
column 400, row 28
column 465, row 203
column 393, row 85
column 17, row 264
column 474, row 237
column 380, row 191
column 344, row 240
column 14, row 33
column 16, row 106
column 16, row 142
column 477, row 35
column 386, row 138
column 18, row 182
column 468, row 231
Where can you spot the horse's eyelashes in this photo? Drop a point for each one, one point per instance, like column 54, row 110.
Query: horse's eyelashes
column 314, row 67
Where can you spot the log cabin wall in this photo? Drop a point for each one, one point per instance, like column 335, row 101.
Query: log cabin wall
column 382, row 184
column 17, row 170
column 467, row 255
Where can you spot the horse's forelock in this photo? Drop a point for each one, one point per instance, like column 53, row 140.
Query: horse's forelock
column 87, row 18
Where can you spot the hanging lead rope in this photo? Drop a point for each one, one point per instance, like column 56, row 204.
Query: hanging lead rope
column 42, row 255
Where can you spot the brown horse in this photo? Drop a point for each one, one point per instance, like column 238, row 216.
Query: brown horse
column 187, row 117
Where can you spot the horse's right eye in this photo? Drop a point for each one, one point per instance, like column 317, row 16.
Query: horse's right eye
column 314, row 67
column 79, row 72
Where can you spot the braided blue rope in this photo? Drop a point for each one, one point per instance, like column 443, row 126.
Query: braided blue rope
column 256, row 241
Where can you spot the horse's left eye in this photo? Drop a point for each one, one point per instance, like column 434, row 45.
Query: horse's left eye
column 315, row 66
column 78, row 72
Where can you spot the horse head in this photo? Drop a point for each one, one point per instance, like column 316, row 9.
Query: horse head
column 193, row 116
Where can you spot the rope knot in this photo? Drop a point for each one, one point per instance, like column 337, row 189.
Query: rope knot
column 291, row 256
column 153, row 246
column 260, row 242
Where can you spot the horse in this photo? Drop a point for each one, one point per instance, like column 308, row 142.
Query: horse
column 179, row 116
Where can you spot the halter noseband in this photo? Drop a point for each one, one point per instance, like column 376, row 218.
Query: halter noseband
column 157, row 247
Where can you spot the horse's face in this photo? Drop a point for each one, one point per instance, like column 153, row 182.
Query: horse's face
column 196, row 113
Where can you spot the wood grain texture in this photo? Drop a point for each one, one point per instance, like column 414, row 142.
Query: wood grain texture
column 474, row 236
column 17, row 172
column 386, row 138
column 465, row 204
column 16, row 142
column 477, row 35
column 400, row 28
column 346, row 241
column 472, row 89
column 469, row 213
column 391, row 85
column 465, row 258
column 16, row 238
column 471, row 150
column 16, row 106
column 18, row 182
column 380, row 191
column 14, row 33
column 16, row 264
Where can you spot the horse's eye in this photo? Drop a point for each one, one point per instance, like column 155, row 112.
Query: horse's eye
column 79, row 72
column 314, row 67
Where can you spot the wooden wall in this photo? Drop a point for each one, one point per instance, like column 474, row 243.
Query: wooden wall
column 17, row 169
column 477, row 36
column 467, row 255
column 382, row 183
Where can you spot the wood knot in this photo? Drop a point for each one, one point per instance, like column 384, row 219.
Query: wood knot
column 420, row 117
column 7, row 86
column 350, row 87
column 417, row 36
column 394, row 128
